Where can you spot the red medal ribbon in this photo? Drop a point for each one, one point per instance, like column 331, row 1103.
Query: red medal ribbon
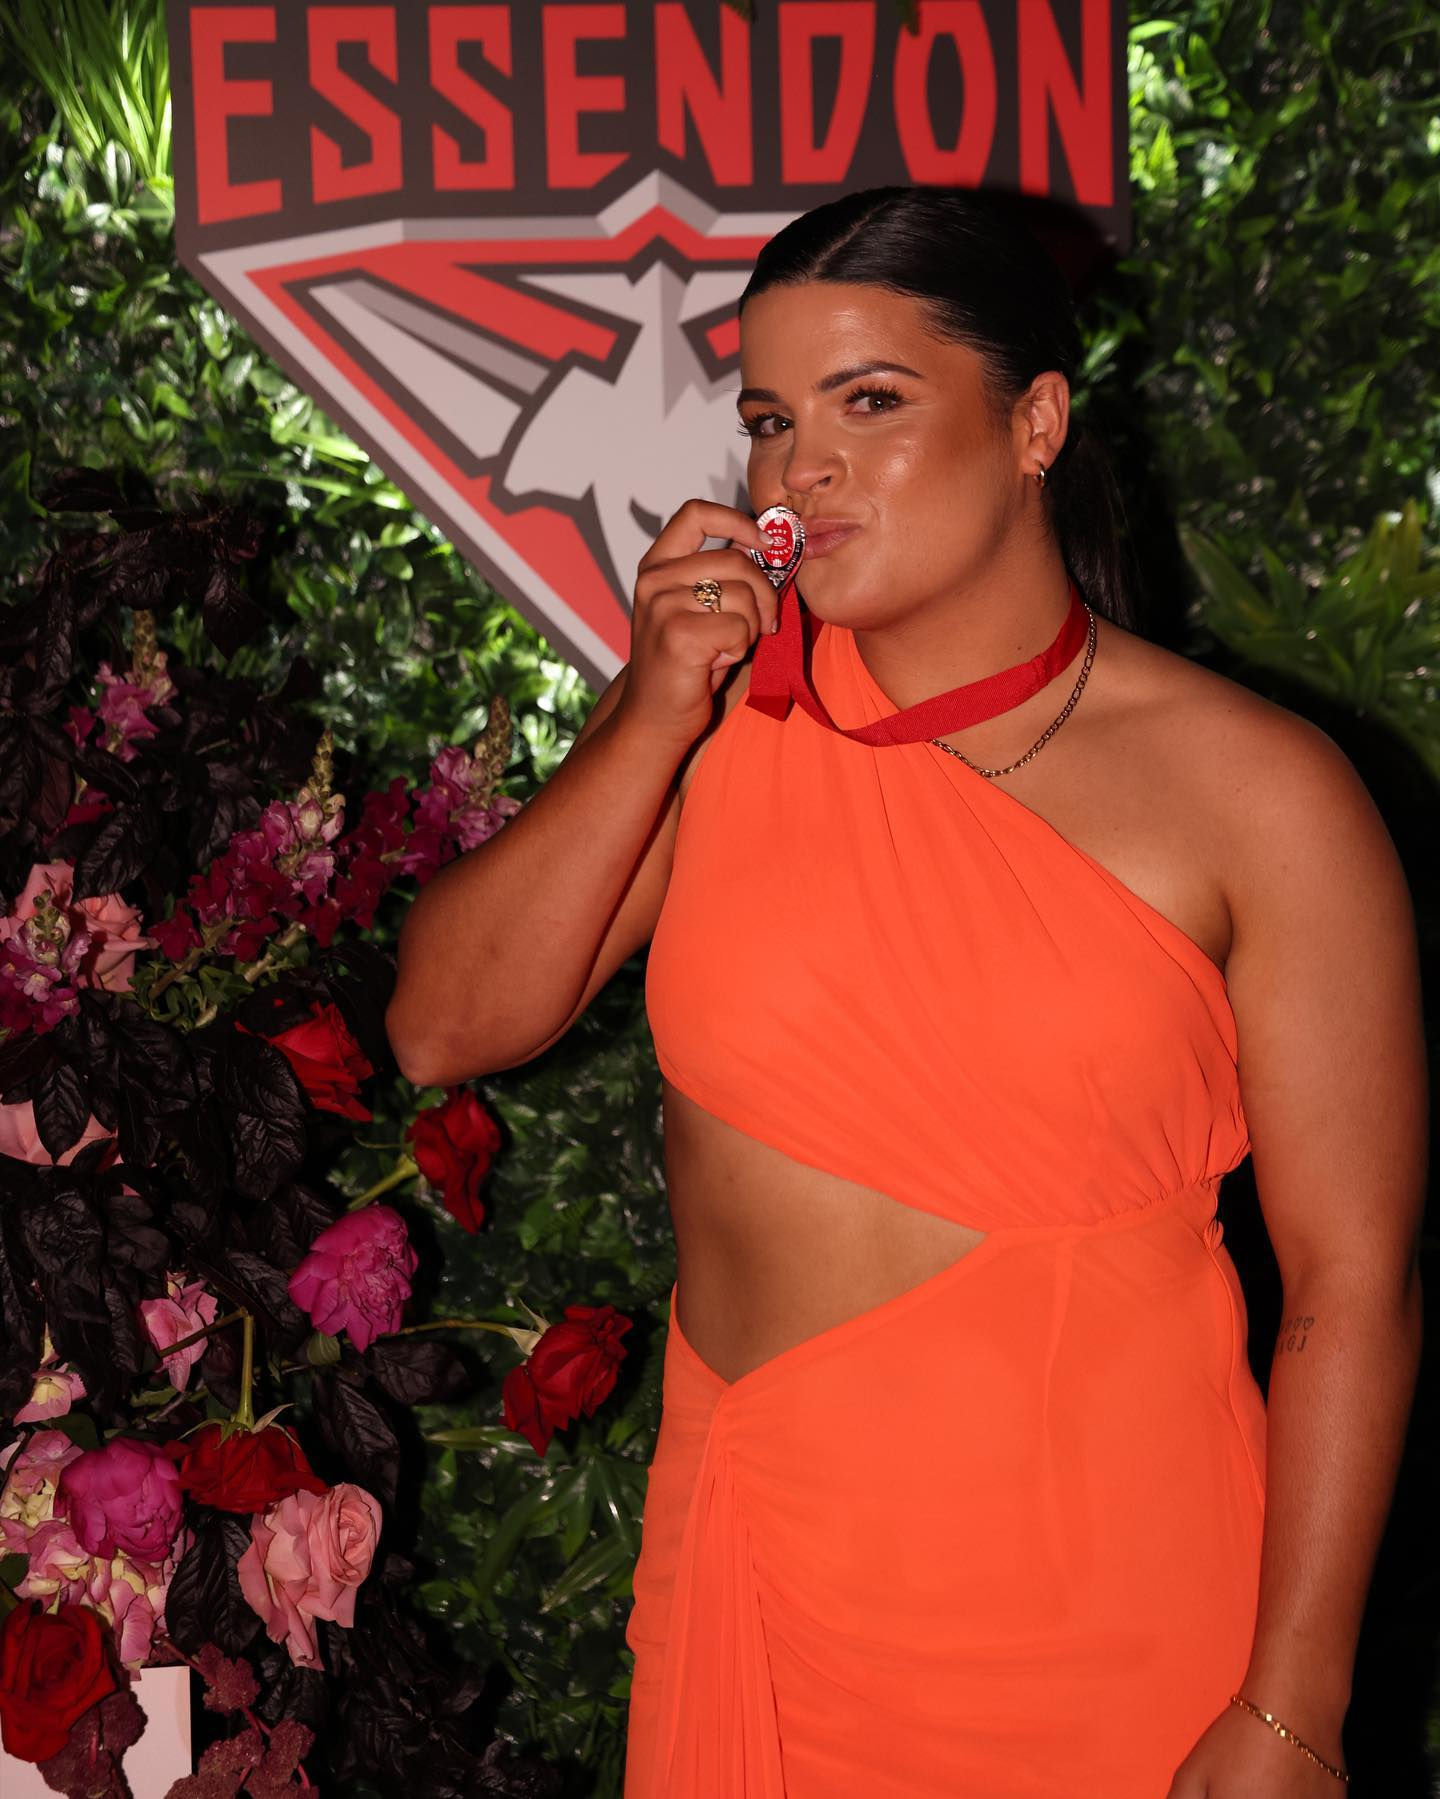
column 778, row 677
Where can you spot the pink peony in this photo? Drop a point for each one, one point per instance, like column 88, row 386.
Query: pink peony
column 123, row 1497
column 33, row 1466
column 183, row 1311
column 308, row 1553
column 356, row 1276
column 113, row 928
column 19, row 1137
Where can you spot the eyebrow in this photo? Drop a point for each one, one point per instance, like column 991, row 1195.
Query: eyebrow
column 827, row 383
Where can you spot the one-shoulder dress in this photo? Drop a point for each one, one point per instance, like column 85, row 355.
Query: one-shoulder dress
column 999, row 1536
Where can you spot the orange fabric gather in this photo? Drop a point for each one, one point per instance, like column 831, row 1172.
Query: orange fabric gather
column 1000, row 1535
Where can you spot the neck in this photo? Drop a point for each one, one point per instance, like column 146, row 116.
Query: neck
column 1006, row 616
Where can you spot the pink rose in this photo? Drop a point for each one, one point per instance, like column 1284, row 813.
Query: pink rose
column 308, row 1553
column 123, row 1497
column 33, row 1467
column 356, row 1276
column 183, row 1311
column 19, row 1138
column 114, row 927
column 56, row 1388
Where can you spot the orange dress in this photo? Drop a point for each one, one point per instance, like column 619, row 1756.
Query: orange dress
column 997, row 1537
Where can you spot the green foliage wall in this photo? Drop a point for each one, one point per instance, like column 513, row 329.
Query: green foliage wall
column 1262, row 364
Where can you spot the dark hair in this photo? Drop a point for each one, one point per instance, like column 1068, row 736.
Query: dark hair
column 988, row 283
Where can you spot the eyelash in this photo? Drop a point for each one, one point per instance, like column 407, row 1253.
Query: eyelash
column 751, row 427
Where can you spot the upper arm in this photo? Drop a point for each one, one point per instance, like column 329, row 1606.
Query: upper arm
column 1324, row 981
column 632, row 923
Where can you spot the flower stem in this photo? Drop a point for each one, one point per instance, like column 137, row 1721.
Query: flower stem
column 210, row 935
column 404, row 1170
column 452, row 1324
column 208, row 1330
column 287, row 939
column 245, row 1415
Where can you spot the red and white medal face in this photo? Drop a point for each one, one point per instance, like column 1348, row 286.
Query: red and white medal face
column 786, row 531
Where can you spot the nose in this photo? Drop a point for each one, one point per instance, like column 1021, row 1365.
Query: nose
column 810, row 465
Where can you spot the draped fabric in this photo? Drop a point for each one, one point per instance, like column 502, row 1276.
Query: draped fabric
column 998, row 1536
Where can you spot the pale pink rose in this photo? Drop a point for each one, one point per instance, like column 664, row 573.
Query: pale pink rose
column 114, row 927
column 356, row 1276
column 56, row 1390
column 125, row 1497
column 19, row 1138
column 59, row 1565
column 33, row 1467
column 183, row 1311
column 308, row 1554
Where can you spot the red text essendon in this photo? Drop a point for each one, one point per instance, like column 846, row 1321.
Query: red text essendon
column 512, row 102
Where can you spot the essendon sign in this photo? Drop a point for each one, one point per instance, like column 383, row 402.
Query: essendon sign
column 503, row 242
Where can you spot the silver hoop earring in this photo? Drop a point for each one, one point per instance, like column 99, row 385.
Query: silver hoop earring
column 1040, row 477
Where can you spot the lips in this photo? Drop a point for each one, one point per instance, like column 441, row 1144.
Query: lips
column 827, row 534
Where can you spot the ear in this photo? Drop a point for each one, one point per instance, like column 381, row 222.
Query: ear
column 1042, row 421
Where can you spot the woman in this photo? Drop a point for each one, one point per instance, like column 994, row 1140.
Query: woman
column 963, row 1485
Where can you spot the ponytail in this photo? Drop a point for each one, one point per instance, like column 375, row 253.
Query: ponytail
column 1089, row 520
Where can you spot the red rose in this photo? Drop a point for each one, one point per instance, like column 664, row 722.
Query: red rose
column 53, row 1668
column 246, row 1471
column 570, row 1370
column 453, row 1145
column 327, row 1060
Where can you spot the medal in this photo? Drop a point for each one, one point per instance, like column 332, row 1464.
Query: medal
column 786, row 531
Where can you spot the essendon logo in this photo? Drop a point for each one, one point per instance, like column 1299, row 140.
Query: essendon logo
column 503, row 242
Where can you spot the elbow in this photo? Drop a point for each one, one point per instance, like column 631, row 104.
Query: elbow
column 418, row 1055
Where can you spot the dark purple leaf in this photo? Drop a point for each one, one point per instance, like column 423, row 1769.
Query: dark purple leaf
column 204, row 1603
column 264, row 1110
column 416, row 1372
column 264, row 1289
column 355, row 1428
column 22, row 769
column 124, row 842
column 231, row 617
column 62, row 1108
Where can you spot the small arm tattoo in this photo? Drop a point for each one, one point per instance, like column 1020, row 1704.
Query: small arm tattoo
column 1293, row 1332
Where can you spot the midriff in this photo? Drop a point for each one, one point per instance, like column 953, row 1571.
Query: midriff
column 772, row 1251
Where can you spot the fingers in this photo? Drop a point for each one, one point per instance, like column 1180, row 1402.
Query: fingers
column 696, row 520
column 744, row 586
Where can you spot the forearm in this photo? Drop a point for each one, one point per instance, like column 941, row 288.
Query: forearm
column 1341, row 1389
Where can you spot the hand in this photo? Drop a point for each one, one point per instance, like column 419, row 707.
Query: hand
column 1241, row 1757
column 679, row 650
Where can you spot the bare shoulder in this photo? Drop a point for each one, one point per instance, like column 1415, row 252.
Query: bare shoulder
column 1285, row 812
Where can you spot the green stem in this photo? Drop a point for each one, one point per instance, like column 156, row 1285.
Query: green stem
column 404, row 1170
column 210, row 935
column 451, row 1324
column 286, row 940
column 246, row 1413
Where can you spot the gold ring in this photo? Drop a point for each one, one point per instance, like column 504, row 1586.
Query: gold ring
column 707, row 592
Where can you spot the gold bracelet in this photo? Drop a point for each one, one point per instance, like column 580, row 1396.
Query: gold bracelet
column 1290, row 1737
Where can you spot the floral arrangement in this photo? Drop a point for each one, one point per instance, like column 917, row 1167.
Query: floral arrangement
column 190, row 1013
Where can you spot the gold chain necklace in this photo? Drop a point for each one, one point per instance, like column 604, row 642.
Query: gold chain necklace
column 1045, row 737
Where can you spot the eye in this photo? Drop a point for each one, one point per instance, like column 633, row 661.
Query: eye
column 887, row 398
